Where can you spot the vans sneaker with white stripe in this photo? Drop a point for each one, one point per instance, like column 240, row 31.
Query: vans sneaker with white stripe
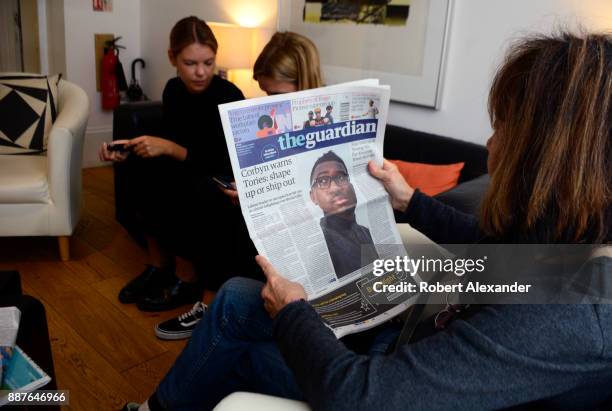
column 182, row 326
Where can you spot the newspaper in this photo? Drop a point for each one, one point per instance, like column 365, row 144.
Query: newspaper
column 9, row 325
column 22, row 375
column 311, row 207
column 17, row 370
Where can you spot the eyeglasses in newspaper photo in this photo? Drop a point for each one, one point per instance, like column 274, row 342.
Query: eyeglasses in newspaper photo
column 323, row 182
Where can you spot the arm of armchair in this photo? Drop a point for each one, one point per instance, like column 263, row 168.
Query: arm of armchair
column 64, row 156
column 258, row 402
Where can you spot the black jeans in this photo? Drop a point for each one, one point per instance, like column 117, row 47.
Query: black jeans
column 190, row 217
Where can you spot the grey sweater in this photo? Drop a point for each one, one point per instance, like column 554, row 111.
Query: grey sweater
column 524, row 356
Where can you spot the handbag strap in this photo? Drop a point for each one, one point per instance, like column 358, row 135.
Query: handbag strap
column 410, row 324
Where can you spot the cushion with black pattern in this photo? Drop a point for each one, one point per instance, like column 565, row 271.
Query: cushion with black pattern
column 28, row 108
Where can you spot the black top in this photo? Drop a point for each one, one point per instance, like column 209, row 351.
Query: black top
column 193, row 122
column 350, row 245
column 502, row 356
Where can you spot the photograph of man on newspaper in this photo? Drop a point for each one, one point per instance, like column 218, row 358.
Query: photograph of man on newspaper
column 350, row 245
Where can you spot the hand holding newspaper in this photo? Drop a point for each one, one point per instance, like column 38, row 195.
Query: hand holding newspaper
column 311, row 207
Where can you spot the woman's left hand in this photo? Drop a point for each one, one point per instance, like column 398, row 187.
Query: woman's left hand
column 399, row 190
column 278, row 291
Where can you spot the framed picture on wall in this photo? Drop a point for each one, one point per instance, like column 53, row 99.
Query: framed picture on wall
column 401, row 42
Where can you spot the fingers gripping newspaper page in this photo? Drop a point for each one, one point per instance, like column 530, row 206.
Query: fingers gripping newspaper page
column 309, row 202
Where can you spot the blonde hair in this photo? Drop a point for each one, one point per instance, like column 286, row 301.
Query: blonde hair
column 551, row 106
column 292, row 58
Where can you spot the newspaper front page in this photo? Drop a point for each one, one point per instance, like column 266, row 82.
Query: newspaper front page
column 311, row 207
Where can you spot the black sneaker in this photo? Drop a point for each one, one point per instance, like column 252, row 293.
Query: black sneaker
column 130, row 406
column 146, row 283
column 180, row 293
column 182, row 326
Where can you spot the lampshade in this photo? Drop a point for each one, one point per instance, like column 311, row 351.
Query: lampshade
column 235, row 46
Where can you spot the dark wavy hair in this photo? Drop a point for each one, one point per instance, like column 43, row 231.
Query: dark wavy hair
column 550, row 107
column 264, row 120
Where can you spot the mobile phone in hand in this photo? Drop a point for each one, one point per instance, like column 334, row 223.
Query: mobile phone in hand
column 120, row 147
column 223, row 182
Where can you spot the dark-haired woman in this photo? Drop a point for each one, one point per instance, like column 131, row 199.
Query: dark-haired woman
column 183, row 212
column 551, row 180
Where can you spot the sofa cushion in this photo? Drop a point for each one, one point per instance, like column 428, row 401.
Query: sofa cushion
column 28, row 108
column 431, row 179
column 467, row 197
column 23, row 179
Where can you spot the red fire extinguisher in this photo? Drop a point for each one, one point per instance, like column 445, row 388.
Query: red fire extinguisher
column 109, row 83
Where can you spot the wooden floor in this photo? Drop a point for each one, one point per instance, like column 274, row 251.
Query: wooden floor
column 105, row 353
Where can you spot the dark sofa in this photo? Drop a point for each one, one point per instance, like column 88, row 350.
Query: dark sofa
column 419, row 147
column 135, row 119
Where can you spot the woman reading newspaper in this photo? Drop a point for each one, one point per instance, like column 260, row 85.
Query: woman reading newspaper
column 180, row 208
column 550, row 100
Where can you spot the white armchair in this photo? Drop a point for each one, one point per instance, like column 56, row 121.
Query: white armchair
column 40, row 195
column 242, row 401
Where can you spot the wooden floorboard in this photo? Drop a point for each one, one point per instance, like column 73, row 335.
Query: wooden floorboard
column 94, row 383
column 145, row 376
column 85, row 309
column 105, row 352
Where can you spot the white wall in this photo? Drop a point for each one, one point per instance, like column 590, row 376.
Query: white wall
column 480, row 34
column 158, row 17
column 81, row 23
column 30, row 37
column 55, row 36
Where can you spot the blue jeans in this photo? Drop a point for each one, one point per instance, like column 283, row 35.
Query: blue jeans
column 232, row 349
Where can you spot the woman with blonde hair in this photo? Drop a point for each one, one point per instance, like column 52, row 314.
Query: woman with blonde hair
column 289, row 62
